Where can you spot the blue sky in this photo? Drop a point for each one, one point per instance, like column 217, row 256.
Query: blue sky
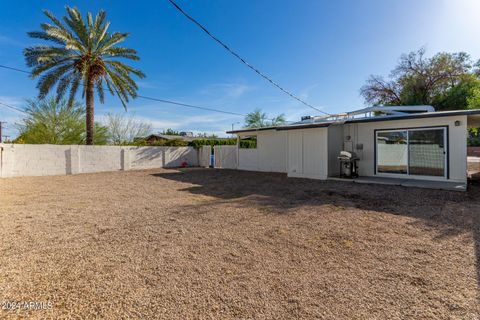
column 323, row 51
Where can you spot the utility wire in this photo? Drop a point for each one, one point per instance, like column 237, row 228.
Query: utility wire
column 12, row 107
column 156, row 99
column 191, row 106
column 236, row 55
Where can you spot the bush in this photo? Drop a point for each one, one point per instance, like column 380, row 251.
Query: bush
column 221, row 142
column 175, row 143
column 212, row 142
column 248, row 144
column 473, row 137
column 474, row 142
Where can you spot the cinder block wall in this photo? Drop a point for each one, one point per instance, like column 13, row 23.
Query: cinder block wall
column 44, row 160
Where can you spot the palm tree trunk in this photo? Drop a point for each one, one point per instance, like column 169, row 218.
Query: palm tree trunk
column 89, row 113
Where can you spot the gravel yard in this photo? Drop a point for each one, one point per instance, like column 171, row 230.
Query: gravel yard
column 221, row 244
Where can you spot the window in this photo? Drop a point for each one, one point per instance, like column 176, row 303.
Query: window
column 412, row 151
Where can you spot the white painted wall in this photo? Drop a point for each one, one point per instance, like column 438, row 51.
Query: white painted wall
column 270, row 154
column 308, row 153
column 364, row 133
column 204, row 154
column 43, row 160
column 225, row 156
column 272, row 151
column 295, row 152
column 248, row 159
column 99, row 158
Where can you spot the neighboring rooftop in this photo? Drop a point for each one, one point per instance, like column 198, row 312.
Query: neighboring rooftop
column 184, row 137
column 370, row 114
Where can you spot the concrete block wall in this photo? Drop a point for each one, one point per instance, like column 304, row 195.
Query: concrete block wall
column 43, row 160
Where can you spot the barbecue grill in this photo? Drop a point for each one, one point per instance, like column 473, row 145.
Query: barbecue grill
column 348, row 164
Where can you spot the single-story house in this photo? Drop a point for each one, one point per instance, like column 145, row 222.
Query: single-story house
column 406, row 142
column 167, row 137
column 183, row 136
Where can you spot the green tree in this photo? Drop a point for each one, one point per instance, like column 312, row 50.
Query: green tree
column 445, row 81
column 170, row 132
column 259, row 119
column 49, row 121
column 84, row 54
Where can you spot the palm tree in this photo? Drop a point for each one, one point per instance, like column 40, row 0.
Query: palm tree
column 259, row 119
column 84, row 55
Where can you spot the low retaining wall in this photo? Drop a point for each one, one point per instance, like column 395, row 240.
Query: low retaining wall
column 474, row 167
column 473, row 151
column 43, row 160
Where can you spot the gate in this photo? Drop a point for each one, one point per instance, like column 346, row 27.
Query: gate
column 225, row 156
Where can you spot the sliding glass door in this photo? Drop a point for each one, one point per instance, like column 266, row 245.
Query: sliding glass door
column 392, row 152
column 419, row 151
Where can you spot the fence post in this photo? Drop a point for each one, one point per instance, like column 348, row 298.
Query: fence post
column 125, row 159
column 73, row 167
column 7, row 160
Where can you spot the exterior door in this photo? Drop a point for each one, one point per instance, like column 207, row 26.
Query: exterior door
column 419, row 151
column 427, row 152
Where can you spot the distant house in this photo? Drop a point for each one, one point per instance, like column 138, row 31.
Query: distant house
column 184, row 136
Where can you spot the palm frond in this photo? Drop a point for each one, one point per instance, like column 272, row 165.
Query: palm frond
column 98, row 30
column 122, row 53
column 44, row 36
column 125, row 69
column 101, row 95
column 39, row 69
column 48, row 81
column 111, row 40
column 63, row 84
column 55, row 21
column 74, row 88
column 39, row 55
column 76, row 24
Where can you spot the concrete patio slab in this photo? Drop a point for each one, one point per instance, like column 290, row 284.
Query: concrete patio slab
column 427, row 184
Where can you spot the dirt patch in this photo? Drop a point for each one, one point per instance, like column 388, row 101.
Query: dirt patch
column 209, row 244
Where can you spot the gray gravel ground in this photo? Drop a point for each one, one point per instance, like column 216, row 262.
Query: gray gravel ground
column 221, row 244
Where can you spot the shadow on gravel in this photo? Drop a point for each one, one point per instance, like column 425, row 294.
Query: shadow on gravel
column 449, row 212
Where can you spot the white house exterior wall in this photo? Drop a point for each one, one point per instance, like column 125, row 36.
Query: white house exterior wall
column 270, row 154
column 364, row 134
column 308, row 153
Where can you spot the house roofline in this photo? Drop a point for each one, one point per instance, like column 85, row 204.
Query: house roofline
column 437, row 114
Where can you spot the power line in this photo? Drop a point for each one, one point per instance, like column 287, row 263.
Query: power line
column 190, row 105
column 236, row 55
column 14, row 69
column 12, row 107
column 156, row 99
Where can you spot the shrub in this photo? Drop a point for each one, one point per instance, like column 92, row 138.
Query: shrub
column 175, row 143
column 221, row 142
column 248, row 144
